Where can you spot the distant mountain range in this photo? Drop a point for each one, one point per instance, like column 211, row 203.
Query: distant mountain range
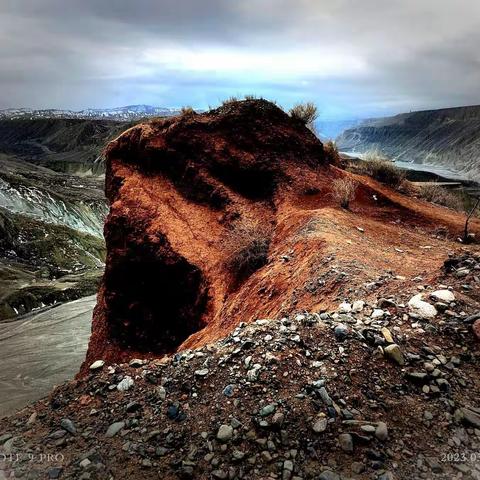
column 130, row 112
column 448, row 138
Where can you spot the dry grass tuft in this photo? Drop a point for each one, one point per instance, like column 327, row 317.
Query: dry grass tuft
column 305, row 112
column 185, row 111
column 379, row 167
column 248, row 244
column 343, row 191
column 441, row 196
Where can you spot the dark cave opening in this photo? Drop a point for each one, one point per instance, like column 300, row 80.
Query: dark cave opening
column 156, row 298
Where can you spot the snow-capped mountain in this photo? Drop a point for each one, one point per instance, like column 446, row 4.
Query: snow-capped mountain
column 130, row 112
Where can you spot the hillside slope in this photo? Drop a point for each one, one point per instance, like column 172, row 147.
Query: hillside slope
column 248, row 327
column 448, row 137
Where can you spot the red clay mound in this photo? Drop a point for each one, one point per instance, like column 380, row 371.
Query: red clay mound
column 228, row 216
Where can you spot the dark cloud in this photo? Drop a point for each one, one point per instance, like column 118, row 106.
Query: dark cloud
column 354, row 58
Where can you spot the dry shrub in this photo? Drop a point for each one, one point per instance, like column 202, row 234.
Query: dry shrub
column 441, row 196
column 248, row 245
column 379, row 167
column 229, row 101
column 331, row 152
column 187, row 111
column 343, row 191
column 305, row 112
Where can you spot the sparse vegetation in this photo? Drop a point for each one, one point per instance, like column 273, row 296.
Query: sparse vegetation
column 331, row 152
column 379, row 167
column 343, row 191
column 187, row 111
column 229, row 100
column 305, row 112
column 435, row 193
column 248, row 244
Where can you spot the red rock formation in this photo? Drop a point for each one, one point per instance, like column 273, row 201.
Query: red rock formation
column 182, row 189
column 177, row 187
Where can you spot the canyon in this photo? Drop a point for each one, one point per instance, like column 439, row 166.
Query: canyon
column 447, row 138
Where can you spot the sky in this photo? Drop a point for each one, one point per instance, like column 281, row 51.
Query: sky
column 353, row 58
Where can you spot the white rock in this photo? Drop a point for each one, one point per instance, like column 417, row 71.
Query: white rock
column 345, row 307
column 358, row 306
column 96, row 365
column 443, row 296
column 125, row 384
column 377, row 313
column 420, row 307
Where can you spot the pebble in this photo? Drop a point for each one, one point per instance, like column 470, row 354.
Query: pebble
column 381, row 432
column 394, row 353
column 201, row 373
column 54, row 472
column 345, row 307
column 125, row 384
column 268, row 410
column 345, row 441
column 228, row 390
column 443, row 296
column 161, row 392
column 68, row 425
column 471, row 417
column 358, row 306
column 377, row 313
column 421, row 308
column 225, row 433
column 320, row 425
column 136, row 363
column 341, row 332
column 387, row 335
column 97, row 365
column 114, row 428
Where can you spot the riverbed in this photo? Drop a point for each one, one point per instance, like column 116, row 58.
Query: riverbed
column 41, row 350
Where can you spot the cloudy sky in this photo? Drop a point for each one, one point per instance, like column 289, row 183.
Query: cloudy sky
column 353, row 58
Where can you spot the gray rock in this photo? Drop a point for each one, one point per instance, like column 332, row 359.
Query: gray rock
column 202, row 372
column 125, row 384
column 341, row 332
column 268, row 410
column 225, row 433
column 54, row 472
column 320, row 425
column 345, row 441
column 325, row 396
column 470, row 417
column 114, row 428
column 68, row 425
column 381, row 432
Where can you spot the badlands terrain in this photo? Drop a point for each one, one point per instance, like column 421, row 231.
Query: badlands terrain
column 249, row 327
